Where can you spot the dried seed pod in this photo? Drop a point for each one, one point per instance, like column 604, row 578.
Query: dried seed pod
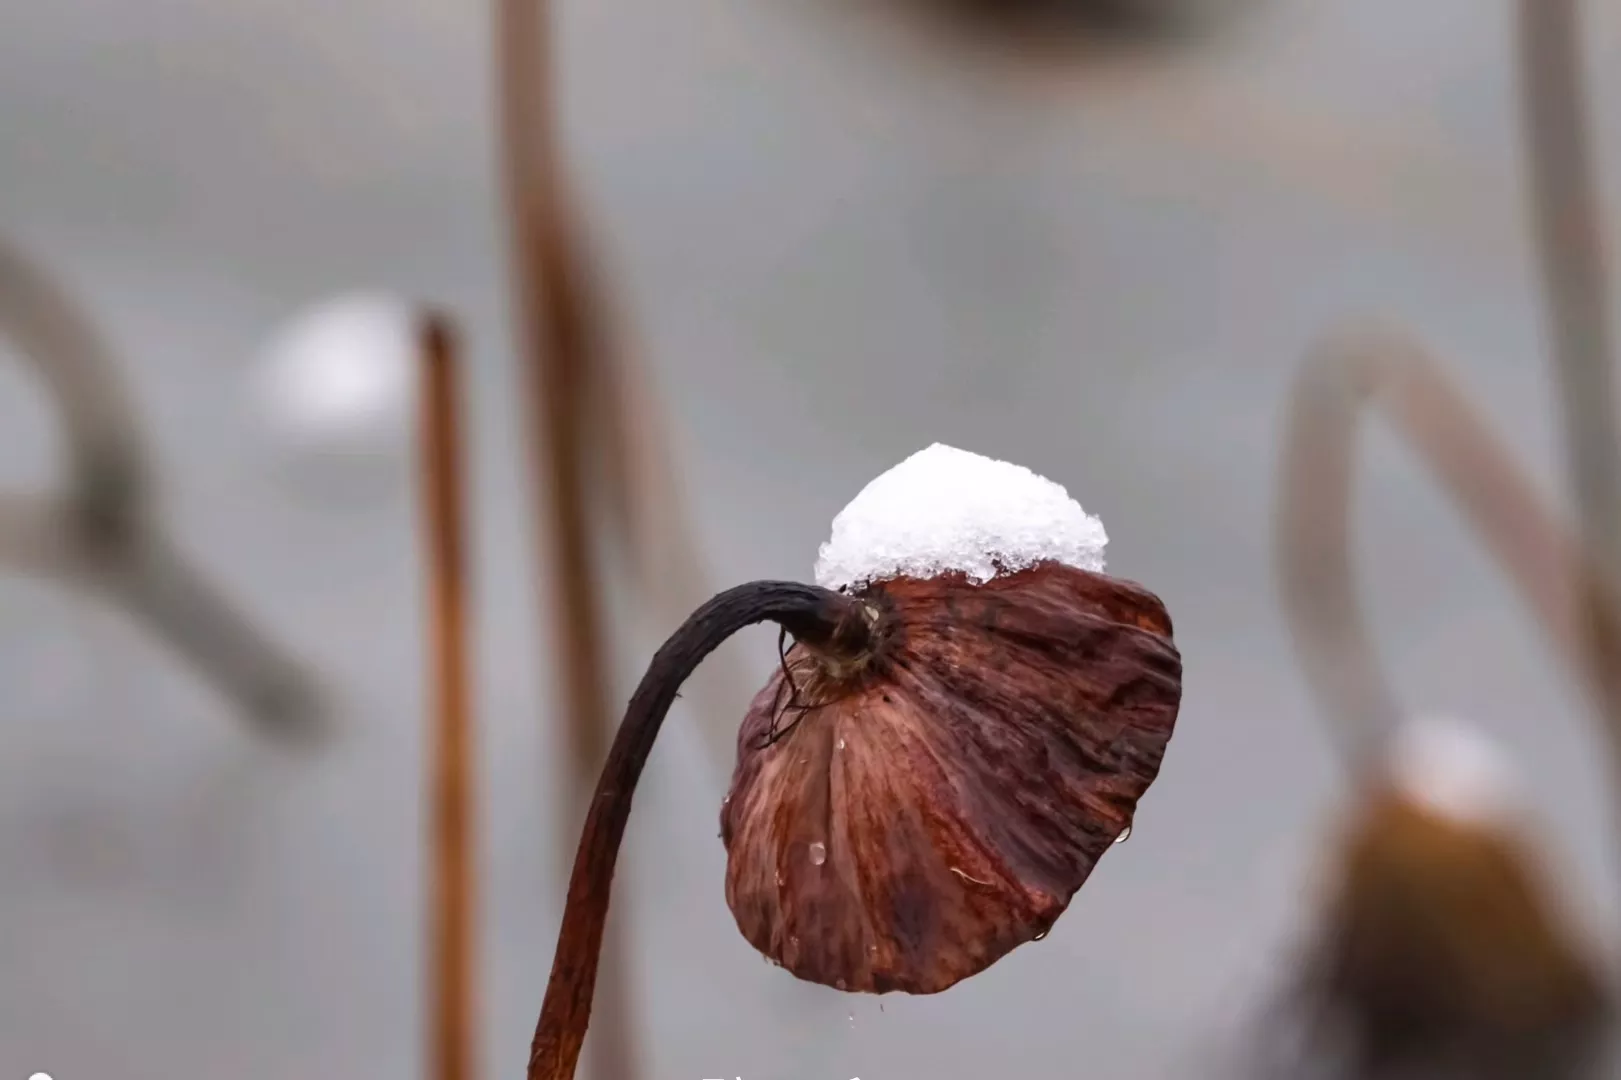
column 936, row 803
column 1442, row 947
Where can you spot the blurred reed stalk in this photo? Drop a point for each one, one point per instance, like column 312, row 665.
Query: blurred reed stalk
column 649, row 515
column 1570, row 581
column 1402, row 960
column 104, row 533
column 1393, row 372
column 452, row 922
column 1441, row 948
column 560, row 338
column 1570, row 237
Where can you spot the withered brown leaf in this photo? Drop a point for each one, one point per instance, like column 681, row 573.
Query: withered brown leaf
column 903, row 822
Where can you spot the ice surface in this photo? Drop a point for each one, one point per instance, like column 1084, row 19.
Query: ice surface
column 944, row 509
column 1454, row 771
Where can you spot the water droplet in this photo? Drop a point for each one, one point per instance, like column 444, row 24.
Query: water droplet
column 1125, row 834
column 1039, row 936
column 852, row 1015
column 794, row 941
column 841, row 744
column 779, row 877
column 818, row 853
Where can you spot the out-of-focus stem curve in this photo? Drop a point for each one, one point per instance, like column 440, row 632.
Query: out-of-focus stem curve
column 1393, row 373
column 103, row 532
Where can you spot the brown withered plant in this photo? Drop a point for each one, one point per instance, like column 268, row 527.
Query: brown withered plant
column 1442, row 952
column 921, row 788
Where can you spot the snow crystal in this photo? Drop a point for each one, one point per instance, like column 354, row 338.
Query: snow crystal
column 944, row 509
column 1454, row 771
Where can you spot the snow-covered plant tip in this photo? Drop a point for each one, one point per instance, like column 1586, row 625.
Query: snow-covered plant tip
column 944, row 510
column 963, row 726
column 1453, row 770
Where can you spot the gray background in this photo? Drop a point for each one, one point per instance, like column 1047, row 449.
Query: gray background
column 836, row 240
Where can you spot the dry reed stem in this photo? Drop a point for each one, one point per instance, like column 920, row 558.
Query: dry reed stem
column 1569, row 233
column 104, row 534
column 559, row 334
column 452, row 922
column 648, row 511
column 1540, row 555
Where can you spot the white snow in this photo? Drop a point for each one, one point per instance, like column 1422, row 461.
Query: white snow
column 943, row 510
column 340, row 377
column 1454, row 771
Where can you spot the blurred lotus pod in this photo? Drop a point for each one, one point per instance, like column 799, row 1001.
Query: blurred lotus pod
column 1444, row 953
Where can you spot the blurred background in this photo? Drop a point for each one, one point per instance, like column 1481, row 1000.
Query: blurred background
column 835, row 234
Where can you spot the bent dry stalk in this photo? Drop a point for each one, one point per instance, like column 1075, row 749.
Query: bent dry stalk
column 1390, row 372
column 834, row 625
column 104, row 534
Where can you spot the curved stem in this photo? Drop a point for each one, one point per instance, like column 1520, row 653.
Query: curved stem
column 108, row 454
column 818, row 618
column 1524, row 535
column 103, row 530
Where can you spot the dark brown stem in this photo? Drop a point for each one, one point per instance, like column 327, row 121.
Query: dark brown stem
column 452, row 941
column 818, row 618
